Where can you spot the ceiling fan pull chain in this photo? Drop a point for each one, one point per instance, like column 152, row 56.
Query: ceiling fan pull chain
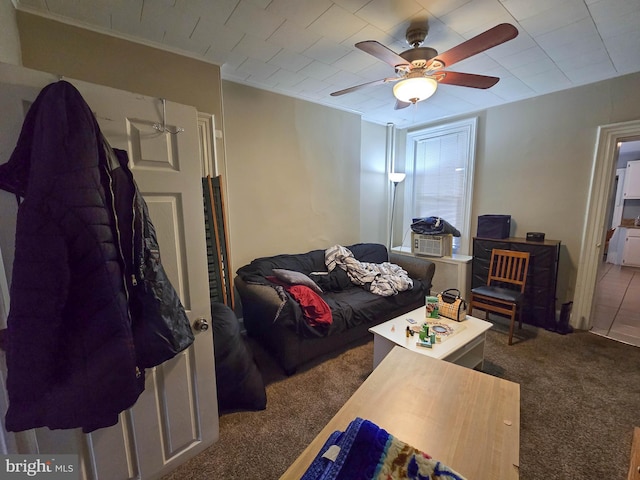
column 163, row 128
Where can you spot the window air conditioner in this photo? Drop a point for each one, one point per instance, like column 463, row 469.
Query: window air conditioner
column 431, row 245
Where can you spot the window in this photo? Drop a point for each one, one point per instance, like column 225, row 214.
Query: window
column 439, row 168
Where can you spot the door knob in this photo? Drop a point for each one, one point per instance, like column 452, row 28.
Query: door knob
column 201, row 324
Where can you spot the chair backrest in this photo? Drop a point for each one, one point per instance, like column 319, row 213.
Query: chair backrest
column 508, row 268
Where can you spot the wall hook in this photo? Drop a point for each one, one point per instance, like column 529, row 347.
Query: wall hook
column 163, row 128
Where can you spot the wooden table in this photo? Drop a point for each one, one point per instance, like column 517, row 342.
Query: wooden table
column 465, row 348
column 634, row 465
column 468, row 420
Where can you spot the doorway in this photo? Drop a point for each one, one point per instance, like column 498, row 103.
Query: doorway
column 616, row 311
column 599, row 203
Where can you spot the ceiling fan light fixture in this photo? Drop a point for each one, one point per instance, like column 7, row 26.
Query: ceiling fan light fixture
column 413, row 90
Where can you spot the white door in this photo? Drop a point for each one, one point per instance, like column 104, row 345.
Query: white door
column 177, row 416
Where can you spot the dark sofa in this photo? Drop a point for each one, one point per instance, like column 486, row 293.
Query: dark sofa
column 276, row 320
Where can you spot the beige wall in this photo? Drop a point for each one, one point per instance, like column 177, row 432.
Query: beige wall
column 534, row 162
column 293, row 171
column 74, row 52
column 374, row 185
column 9, row 37
column 302, row 176
column 292, row 183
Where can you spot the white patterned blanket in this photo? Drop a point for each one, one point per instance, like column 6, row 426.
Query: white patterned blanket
column 384, row 279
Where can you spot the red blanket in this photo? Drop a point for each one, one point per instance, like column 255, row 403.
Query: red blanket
column 315, row 310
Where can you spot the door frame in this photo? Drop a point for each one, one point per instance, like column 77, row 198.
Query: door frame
column 603, row 172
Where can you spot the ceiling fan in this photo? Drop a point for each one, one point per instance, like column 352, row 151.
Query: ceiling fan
column 420, row 69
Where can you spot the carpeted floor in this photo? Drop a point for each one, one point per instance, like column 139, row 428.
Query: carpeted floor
column 580, row 399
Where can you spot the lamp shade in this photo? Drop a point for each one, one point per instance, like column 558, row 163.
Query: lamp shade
column 416, row 89
column 397, row 177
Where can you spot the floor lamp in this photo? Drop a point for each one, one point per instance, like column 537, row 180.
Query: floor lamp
column 395, row 178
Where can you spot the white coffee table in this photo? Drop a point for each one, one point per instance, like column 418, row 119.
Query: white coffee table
column 465, row 347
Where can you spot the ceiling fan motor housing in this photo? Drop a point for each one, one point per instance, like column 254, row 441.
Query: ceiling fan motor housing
column 416, row 35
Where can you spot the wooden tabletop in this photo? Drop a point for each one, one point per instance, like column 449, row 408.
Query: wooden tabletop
column 634, row 465
column 466, row 419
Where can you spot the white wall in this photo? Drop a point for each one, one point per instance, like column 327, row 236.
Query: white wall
column 9, row 37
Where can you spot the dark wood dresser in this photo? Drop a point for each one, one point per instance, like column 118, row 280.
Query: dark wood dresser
column 539, row 307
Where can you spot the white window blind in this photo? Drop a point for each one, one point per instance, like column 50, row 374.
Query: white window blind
column 439, row 178
column 440, row 162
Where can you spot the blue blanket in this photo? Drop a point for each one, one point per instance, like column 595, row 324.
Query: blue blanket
column 365, row 451
column 433, row 226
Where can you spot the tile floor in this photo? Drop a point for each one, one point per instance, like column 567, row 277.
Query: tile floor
column 617, row 308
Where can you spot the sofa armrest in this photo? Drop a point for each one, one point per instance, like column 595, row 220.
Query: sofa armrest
column 260, row 303
column 417, row 267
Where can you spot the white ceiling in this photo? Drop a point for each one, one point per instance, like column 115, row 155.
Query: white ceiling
column 305, row 48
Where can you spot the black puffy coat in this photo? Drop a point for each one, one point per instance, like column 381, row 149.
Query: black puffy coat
column 159, row 323
column 71, row 354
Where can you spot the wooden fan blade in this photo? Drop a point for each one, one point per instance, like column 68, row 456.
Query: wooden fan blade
column 381, row 53
column 357, row 87
column 466, row 79
column 491, row 38
column 400, row 105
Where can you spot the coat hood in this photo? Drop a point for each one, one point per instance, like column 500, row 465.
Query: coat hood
column 61, row 103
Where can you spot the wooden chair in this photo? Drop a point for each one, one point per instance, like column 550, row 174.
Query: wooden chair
column 504, row 291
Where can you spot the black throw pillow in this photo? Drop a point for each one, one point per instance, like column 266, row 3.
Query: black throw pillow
column 334, row 281
column 238, row 380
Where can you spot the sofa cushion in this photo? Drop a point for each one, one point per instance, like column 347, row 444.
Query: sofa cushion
column 306, row 263
column 262, row 267
column 369, row 252
column 356, row 306
column 333, row 281
column 296, row 278
column 238, row 380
